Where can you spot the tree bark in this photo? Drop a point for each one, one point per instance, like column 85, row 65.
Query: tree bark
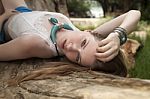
column 61, row 6
column 49, row 5
column 127, row 5
column 75, row 83
column 105, row 5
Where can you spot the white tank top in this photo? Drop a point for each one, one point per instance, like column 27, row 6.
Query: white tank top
column 35, row 23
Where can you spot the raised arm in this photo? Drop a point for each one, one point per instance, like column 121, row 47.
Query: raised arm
column 128, row 21
column 109, row 47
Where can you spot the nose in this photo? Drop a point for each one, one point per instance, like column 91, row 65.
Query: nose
column 72, row 47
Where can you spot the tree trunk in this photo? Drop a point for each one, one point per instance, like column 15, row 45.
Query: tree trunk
column 105, row 5
column 49, row 5
column 1, row 8
column 126, row 5
column 61, row 6
column 73, row 83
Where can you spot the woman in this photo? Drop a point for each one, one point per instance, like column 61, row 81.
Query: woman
column 31, row 34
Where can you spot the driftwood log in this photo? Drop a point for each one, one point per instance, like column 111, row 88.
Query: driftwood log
column 76, row 83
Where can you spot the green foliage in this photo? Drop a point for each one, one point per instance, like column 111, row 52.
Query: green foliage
column 142, row 66
column 126, row 5
column 78, row 8
column 146, row 14
column 92, row 27
column 82, row 28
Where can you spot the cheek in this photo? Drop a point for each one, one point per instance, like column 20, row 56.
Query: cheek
column 88, row 57
column 70, row 56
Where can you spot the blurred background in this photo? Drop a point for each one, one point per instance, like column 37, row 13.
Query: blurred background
column 91, row 8
column 88, row 14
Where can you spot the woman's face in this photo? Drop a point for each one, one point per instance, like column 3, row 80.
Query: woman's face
column 78, row 46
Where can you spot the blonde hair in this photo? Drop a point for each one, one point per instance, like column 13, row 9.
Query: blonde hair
column 116, row 67
column 47, row 71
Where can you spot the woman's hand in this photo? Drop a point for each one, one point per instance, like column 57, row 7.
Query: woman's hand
column 108, row 48
column 9, row 12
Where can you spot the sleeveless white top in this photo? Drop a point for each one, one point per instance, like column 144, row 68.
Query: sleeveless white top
column 35, row 23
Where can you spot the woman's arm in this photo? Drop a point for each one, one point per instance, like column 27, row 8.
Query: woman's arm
column 127, row 21
column 5, row 15
column 2, row 19
column 109, row 47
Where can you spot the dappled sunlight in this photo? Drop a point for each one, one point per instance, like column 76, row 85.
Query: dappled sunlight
column 89, row 23
column 142, row 68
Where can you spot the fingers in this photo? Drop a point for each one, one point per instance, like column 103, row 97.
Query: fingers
column 10, row 10
column 110, row 57
column 108, row 48
column 107, row 44
column 104, row 45
column 106, row 53
column 14, row 11
column 103, row 42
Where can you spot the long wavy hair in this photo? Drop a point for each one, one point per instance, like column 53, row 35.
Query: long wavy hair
column 116, row 67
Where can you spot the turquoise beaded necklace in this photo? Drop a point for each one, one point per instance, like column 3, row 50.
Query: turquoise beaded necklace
column 56, row 27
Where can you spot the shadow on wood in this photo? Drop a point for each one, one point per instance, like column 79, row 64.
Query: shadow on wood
column 75, row 83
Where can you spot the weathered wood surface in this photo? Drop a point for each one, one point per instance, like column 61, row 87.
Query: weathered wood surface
column 76, row 84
